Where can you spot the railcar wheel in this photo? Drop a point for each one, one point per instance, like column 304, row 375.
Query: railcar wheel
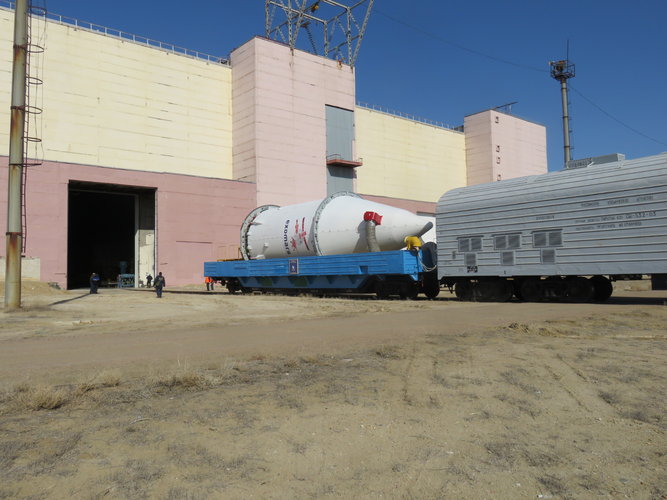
column 463, row 290
column 504, row 291
column 602, row 288
column 382, row 290
column 431, row 285
column 408, row 292
column 233, row 286
column 432, row 291
column 493, row 290
column 531, row 290
column 554, row 288
column 578, row 289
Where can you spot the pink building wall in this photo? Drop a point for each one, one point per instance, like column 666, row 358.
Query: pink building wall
column 414, row 206
column 279, row 118
column 196, row 217
column 502, row 146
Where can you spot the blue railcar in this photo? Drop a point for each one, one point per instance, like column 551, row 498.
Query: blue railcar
column 400, row 272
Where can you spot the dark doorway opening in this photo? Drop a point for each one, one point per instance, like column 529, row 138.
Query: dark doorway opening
column 101, row 235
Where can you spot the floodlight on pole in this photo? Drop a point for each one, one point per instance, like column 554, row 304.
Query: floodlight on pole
column 562, row 71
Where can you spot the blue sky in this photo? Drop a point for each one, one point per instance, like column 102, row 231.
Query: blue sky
column 442, row 60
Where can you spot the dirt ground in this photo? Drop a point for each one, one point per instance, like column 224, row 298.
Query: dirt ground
column 208, row 395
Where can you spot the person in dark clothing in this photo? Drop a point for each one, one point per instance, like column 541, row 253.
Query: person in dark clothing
column 159, row 284
column 149, row 278
column 94, row 282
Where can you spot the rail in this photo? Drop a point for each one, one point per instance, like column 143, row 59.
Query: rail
column 114, row 33
column 407, row 116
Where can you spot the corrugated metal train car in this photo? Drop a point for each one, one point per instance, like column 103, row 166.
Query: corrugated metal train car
column 563, row 235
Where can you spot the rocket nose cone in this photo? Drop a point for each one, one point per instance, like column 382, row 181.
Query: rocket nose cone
column 397, row 224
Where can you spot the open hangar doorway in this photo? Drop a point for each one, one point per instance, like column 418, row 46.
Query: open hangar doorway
column 110, row 231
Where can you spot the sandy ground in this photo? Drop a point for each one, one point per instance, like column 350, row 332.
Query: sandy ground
column 207, row 395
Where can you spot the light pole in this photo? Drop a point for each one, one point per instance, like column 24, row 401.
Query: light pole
column 563, row 71
column 16, row 158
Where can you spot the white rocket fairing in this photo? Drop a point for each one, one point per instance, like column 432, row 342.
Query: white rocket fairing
column 331, row 226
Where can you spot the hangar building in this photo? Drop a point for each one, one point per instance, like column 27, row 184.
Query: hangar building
column 152, row 156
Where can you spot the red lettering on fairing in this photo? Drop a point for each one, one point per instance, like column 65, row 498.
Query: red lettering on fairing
column 304, row 235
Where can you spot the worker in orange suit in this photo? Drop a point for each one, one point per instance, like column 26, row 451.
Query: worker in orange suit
column 209, row 283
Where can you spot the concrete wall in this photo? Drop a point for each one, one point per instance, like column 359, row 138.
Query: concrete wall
column 30, row 268
column 279, row 100
column 114, row 103
column 501, row 146
column 197, row 218
column 407, row 159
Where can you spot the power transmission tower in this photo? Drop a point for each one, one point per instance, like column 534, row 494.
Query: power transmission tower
column 333, row 29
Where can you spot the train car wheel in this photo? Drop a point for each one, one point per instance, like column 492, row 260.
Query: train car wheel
column 602, row 288
column 382, row 290
column 432, row 290
column 531, row 290
column 431, row 285
column 233, row 286
column 504, row 290
column 494, row 290
column 463, row 290
column 578, row 289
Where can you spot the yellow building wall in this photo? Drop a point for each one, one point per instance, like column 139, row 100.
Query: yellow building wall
column 406, row 159
column 115, row 103
column 6, row 53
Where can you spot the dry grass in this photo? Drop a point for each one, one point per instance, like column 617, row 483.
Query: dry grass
column 41, row 398
column 108, row 378
column 427, row 419
column 389, row 352
column 186, row 379
column 631, row 324
column 108, row 387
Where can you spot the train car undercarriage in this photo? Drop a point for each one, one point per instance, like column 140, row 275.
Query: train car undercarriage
column 532, row 288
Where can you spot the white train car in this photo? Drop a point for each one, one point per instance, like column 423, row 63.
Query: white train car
column 562, row 235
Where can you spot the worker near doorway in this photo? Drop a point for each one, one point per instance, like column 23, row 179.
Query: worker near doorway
column 209, row 283
column 94, row 282
column 149, row 279
column 159, row 284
